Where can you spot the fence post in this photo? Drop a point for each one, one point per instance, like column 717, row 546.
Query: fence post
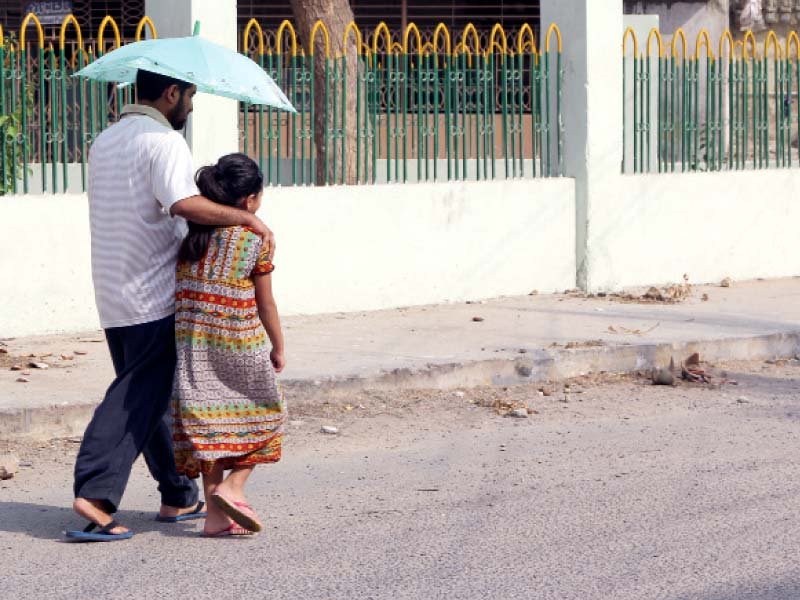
column 213, row 128
column 592, row 33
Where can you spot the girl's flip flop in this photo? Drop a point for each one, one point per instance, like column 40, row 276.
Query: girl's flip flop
column 103, row 534
column 241, row 512
column 197, row 513
column 232, row 530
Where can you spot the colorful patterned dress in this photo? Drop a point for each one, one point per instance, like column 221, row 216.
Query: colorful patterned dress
column 226, row 402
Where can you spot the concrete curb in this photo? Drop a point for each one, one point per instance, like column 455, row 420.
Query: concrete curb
column 546, row 365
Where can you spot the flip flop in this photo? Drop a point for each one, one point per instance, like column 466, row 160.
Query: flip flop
column 103, row 534
column 231, row 530
column 197, row 513
column 238, row 511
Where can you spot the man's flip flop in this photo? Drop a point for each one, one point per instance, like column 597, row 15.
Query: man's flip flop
column 197, row 513
column 241, row 512
column 231, row 530
column 103, row 534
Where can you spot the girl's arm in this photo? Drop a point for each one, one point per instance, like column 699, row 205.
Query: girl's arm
column 268, row 313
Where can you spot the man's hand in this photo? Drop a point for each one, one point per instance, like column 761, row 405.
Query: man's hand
column 265, row 233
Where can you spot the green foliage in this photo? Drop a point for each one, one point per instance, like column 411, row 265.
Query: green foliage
column 10, row 127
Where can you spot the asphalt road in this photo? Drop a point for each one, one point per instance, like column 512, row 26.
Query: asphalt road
column 624, row 491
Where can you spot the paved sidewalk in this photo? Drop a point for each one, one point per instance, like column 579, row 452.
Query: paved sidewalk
column 519, row 339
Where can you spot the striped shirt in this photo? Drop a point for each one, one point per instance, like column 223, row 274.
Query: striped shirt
column 138, row 168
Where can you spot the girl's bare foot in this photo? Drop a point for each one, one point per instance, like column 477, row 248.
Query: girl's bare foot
column 234, row 505
column 216, row 520
column 90, row 510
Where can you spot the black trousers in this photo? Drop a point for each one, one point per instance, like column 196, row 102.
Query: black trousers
column 130, row 420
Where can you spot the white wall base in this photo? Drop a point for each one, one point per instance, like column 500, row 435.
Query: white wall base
column 339, row 249
column 710, row 226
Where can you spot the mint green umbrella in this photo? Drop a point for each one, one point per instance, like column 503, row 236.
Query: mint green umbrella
column 214, row 69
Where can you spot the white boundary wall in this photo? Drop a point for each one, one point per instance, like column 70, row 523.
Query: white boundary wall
column 742, row 225
column 339, row 248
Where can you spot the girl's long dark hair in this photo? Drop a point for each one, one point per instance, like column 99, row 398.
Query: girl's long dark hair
column 229, row 182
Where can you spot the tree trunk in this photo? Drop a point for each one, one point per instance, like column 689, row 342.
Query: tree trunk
column 336, row 15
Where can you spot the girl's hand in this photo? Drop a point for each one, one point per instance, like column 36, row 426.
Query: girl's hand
column 278, row 360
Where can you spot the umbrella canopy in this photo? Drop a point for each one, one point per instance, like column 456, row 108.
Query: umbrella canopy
column 214, row 69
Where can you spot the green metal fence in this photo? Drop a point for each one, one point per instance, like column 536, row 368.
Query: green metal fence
column 422, row 110
column 425, row 110
column 48, row 119
column 733, row 110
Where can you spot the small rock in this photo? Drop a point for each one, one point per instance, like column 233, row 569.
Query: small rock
column 523, row 351
column 727, row 282
column 81, row 352
column 9, row 466
column 329, row 430
column 704, row 298
column 534, row 293
column 546, row 391
column 523, row 370
column 742, row 400
column 22, row 380
column 477, row 319
column 67, row 357
column 519, row 413
column 38, row 365
column 541, row 393
column 459, row 394
column 3, row 351
column 296, row 423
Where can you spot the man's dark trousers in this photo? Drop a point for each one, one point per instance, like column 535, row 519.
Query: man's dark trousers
column 130, row 420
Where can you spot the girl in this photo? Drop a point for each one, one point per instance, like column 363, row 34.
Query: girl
column 228, row 413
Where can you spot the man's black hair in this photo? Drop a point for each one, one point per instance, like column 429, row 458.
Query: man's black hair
column 150, row 86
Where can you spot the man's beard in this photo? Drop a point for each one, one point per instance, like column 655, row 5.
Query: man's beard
column 176, row 117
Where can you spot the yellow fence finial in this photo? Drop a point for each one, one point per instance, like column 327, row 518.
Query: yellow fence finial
column 497, row 29
column 108, row 20
column 146, row 22
column 703, row 39
column 678, row 35
column 553, row 29
column 63, row 37
column 749, row 38
column 412, row 28
column 442, row 31
column 793, row 39
column 727, row 37
column 319, row 26
column 382, row 28
column 630, row 33
column 470, row 30
column 285, row 26
column 772, row 42
column 253, row 24
column 24, row 30
column 654, row 34
column 360, row 46
column 524, row 31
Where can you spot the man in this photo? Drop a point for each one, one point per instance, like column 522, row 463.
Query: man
column 141, row 187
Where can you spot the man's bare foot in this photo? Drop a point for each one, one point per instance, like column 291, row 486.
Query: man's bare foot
column 90, row 510
column 174, row 511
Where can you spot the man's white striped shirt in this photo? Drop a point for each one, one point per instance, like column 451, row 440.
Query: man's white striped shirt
column 138, row 168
